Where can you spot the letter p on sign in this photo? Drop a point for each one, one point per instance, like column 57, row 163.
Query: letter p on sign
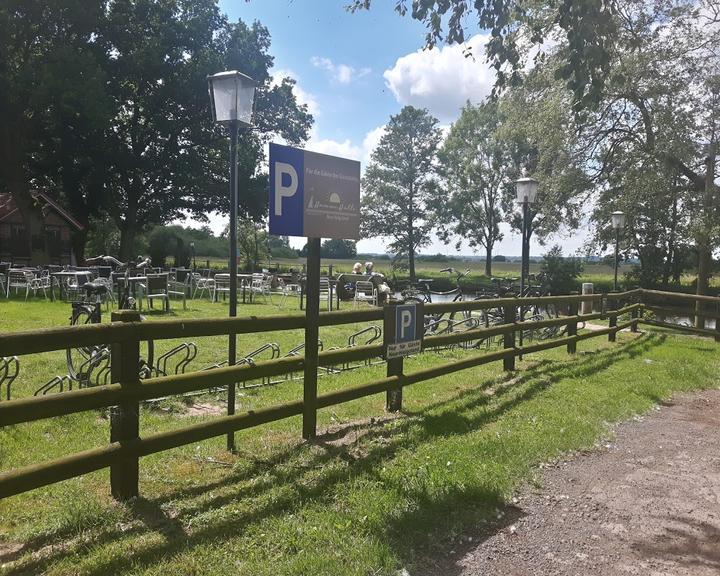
column 284, row 172
column 405, row 323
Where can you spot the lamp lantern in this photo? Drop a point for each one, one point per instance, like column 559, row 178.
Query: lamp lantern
column 618, row 220
column 526, row 190
column 231, row 97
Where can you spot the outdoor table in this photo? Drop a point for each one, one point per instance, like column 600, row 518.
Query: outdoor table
column 56, row 277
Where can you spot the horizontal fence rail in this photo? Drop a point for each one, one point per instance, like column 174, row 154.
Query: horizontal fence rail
column 129, row 390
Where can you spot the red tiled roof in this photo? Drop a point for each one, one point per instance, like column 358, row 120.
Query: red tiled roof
column 8, row 207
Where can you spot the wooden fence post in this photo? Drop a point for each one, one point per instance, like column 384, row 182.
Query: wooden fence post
column 509, row 337
column 612, row 305
column 312, row 311
column 393, row 400
column 572, row 326
column 125, row 418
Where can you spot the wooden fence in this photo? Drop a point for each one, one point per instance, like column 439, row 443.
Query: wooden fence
column 127, row 390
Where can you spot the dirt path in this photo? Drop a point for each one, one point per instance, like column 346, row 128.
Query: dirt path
column 648, row 503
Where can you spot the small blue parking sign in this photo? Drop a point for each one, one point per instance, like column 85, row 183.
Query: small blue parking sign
column 404, row 331
column 405, row 318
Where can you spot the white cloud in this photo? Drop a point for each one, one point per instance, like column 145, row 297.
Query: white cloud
column 301, row 95
column 370, row 142
column 341, row 73
column 442, row 79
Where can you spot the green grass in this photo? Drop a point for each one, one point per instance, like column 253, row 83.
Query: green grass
column 370, row 497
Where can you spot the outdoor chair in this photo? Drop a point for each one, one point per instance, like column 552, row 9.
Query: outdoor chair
column 325, row 291
column 261, row 286
column 179, row 285
column 23, row 280
column 365, row 291
column 221, row 286
column 203, row 284
column 156, row 288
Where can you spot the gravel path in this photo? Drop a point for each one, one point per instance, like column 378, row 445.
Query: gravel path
column 646, row 504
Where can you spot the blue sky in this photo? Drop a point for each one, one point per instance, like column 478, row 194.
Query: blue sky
column 355, row 70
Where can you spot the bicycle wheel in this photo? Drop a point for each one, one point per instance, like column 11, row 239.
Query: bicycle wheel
column 81, row 361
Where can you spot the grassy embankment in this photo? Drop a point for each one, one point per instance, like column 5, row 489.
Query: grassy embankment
column 368, row 498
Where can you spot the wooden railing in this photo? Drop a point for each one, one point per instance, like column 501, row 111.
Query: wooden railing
column 124, row 395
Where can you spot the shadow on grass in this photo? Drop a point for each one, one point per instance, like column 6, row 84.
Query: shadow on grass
column 303, row 473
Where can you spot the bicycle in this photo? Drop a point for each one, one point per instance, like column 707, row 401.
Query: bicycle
column 420, row 292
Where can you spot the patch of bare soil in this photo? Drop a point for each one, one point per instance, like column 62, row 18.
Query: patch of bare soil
column 204, row 409
column 647, row 503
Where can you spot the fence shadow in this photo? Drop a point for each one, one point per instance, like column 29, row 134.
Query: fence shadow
column 302, row 473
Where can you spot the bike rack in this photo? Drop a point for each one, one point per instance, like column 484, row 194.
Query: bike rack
column 188, row 350
column 56, row 381
column 9, row 370
column 375, row 333
column 296, row 352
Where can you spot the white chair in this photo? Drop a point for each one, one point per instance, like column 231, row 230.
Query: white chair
column 157, row 289
column 325, row 291
column 21, row 280
column 221, row 285
column 202, row 284
column 179, row 285
column 260, row 286
column 365, row 292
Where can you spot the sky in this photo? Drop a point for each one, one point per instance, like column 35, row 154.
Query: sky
column 355, row 70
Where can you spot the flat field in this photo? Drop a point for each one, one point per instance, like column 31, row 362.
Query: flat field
column 374, row 494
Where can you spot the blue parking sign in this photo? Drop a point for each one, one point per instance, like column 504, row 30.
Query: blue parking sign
column 313, row 195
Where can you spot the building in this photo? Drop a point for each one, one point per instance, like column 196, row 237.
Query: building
column 48, row 239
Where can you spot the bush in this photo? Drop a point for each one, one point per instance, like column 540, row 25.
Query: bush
column 561, row 273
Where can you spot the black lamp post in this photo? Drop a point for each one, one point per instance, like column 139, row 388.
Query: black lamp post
column 526, row 193
column 231, row 98
column 618, row 224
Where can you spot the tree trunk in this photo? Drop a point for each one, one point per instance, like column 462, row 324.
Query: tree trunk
column 703, row 241
column 79, row 240
column 411, row 262
column 488, row 260
column 127, row 242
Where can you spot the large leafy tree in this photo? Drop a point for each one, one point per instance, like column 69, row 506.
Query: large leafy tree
column 521, row 30
column 660, row 116
column 167, row 158
column 476, row 167
column 47, row 67
column 107, row 102
column 400, row 183
column 539, row 129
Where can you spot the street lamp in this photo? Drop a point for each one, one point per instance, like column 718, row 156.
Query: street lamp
column 231, row 99
column 526, row 193
column 618, row 224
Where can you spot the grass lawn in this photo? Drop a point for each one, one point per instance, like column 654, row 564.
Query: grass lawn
column 374, row 494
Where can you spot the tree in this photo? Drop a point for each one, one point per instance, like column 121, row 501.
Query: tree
column 252, row 244
column 167, row 157
column 107, row 102
column 400, row 183
column 475, row 167
column 585, row 28
column 279, row 247
column 539, row 131
column 336, row 248
column 48, row 66
column 660, row 115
